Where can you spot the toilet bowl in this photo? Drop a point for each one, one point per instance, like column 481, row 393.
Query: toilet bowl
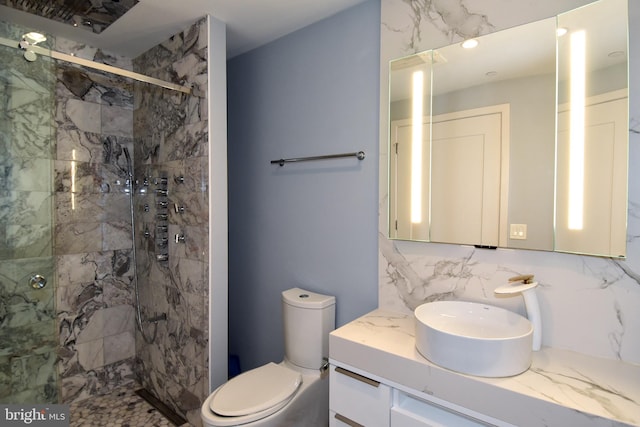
column 301, row 402
column 294, row 392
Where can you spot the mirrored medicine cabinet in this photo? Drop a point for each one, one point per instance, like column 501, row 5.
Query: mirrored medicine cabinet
column 520, row 141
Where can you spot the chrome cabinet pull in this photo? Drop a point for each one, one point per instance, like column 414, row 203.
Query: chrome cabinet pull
column 358, row 377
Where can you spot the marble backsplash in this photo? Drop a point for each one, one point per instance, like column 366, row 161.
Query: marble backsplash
column 589, row 304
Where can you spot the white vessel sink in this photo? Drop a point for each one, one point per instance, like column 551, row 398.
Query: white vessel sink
column 472, row 338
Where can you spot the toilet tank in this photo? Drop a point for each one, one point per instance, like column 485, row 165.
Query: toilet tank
column 308, row 318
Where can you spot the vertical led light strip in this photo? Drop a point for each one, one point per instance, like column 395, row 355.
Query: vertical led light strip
column 577, row 130
column 416, row 147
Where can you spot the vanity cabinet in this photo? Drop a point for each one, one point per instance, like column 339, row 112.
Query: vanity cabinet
column 359, row 399
column 410, row 391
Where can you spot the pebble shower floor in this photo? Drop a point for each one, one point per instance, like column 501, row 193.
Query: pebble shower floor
column 120, row 408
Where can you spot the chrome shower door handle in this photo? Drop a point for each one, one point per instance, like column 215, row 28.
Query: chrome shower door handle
column 37, row 281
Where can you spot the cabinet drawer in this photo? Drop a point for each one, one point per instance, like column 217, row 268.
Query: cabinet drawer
column 408, row 411
column 358, row 399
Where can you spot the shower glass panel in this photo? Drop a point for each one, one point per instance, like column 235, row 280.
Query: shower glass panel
column 28, row 337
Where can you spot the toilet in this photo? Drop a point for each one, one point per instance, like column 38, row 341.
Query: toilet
column 294, row 392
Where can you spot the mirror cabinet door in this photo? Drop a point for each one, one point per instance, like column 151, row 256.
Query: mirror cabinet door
column 592, row 142
column 475, row 157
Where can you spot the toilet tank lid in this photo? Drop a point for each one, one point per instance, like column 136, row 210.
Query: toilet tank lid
column 304, row 299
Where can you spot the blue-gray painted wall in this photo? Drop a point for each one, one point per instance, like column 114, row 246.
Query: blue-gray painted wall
column 312, row 225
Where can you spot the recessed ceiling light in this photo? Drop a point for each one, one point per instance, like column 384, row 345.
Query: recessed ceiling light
column 469, row 43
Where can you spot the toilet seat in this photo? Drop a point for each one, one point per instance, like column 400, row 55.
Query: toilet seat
column 255, row 394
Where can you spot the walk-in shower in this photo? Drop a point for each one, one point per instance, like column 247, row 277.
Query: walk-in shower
column 105, row 179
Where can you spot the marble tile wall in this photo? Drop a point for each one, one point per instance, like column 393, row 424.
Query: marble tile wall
column 171, row 142
column 85, row 330
column 27, row 316
column 589, row 304
column 93, row 240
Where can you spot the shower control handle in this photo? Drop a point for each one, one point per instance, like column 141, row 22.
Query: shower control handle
column 179, row 209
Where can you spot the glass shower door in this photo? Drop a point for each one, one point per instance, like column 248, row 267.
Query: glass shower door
column 28, row 337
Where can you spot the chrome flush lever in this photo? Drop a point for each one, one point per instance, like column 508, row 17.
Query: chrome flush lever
column 325, row 364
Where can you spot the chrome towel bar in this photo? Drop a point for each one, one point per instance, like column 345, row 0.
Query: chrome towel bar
column 281, row 162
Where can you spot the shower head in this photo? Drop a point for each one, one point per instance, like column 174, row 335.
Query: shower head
column 127, row 157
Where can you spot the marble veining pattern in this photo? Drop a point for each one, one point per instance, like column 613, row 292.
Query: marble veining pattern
column 91, row 124
column 172, row 143
column 27, row 316
column 560, row 388
column 589, row 304
column 452, row 19
column 93, row 239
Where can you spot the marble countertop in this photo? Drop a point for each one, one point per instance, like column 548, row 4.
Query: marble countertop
column 561, row 388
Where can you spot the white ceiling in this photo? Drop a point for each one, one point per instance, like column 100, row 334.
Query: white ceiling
column 250, row 23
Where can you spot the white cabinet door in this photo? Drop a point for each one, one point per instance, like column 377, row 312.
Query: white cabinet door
column 357, row 400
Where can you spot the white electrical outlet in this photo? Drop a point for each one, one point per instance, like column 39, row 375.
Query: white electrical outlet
column 518, row 231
